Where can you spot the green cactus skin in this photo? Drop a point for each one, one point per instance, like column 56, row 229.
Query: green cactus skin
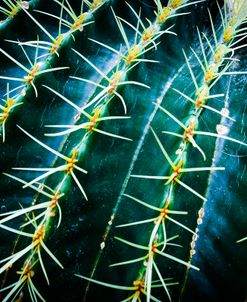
column 143, row 137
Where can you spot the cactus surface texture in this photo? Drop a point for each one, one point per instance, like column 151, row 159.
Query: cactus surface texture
column 123, row 150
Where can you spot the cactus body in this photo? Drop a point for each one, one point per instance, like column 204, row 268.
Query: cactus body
column 123, row 150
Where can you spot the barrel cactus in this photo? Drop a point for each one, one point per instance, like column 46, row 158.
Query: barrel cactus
column 123, row 150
